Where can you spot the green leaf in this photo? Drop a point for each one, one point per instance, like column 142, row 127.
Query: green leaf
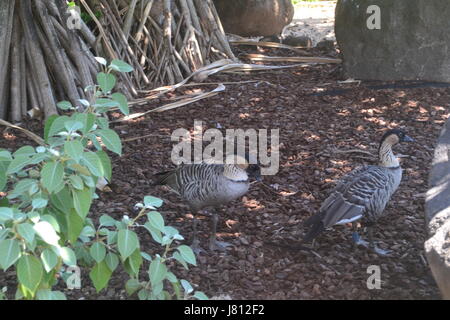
column 23, row 186
column 152, row 201
column 156, row 220
column 72, row 126
column 120, row 66
column 134, row 262
column 47, row 294
column 64, row 105
column 29, row 272
column 123, row 102
column 74, row 225
column 39, row 157
column 111, row 238
column 112, row 261
column 146, row 256
column 179, row 258
column 107, row 221
column 39, row 203
column 106, row 81
column 80, row 169
column 62, row 200
column 127, row 242
column 82, row 200
column 25, row 151
column 76, row 182
column 26, row 231
column 52, row 220
column 157, row 271
column 52, row 175
column 100, row 275
column 156, row 234
column 187, row 254
column 110, row 139
column 98, row 251
column 17, row 164
column 2, row 180
column 5, row 155
column 200, row 295
column 132, row 286
column 4, row 202
column 144, row 294
column 57, row 125
column 87, row 119
column 46, row 231
column 9, row 253
column 106, row 164
column 171, row 277
column 74, row 149
column 87, row 231
column 186, row 286
column 6, row 214
column 48, row 125
column 91, row 160
column 49, row 259
column 101, row 60
column 68, row 256
column 103, row 123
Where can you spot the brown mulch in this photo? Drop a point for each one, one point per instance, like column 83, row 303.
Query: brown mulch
column 312, row 128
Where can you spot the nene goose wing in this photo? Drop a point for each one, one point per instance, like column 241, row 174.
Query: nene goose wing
column 189, row 174
column 366, row 190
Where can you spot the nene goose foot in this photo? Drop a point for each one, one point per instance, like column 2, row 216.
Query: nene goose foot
column 218, row 245
column 369, row 245
column 195, row 246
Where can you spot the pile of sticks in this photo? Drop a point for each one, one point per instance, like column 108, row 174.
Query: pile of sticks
column 42, row 61
column 164, row 40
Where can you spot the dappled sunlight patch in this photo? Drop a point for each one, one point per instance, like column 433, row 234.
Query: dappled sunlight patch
column 9, row 136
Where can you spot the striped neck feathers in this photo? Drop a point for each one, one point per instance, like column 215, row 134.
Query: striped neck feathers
column 385, row 153
column 234, row 173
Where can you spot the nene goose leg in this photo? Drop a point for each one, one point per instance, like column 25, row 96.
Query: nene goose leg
column 195, row 242
column 374, row 247
column 213, row 243
column 370, row 244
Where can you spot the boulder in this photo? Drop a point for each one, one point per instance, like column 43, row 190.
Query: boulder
column 250, row 18
column 298, row 41
column 437, row 214
column 412, row 43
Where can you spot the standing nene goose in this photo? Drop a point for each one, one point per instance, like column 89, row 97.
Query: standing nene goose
column 210, row 185
column 363, row 193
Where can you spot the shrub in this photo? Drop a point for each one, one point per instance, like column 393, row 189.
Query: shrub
column 44, row 223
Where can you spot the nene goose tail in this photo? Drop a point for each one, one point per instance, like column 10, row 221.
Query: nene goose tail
column 363, row 193
column 209, row 185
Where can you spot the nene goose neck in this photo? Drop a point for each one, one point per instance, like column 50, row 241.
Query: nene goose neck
column 233, row 172
column 386, row 155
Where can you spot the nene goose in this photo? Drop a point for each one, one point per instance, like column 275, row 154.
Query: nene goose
column 209, row 185
column 363, row 193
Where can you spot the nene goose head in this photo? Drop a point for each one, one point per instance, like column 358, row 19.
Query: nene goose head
column 389, row 139
column 240, row 168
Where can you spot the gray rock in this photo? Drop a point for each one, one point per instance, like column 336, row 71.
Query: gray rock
column 412, row 43
column 325, row 45
column 250, row 18
column 298, row 41
column 437, row 211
